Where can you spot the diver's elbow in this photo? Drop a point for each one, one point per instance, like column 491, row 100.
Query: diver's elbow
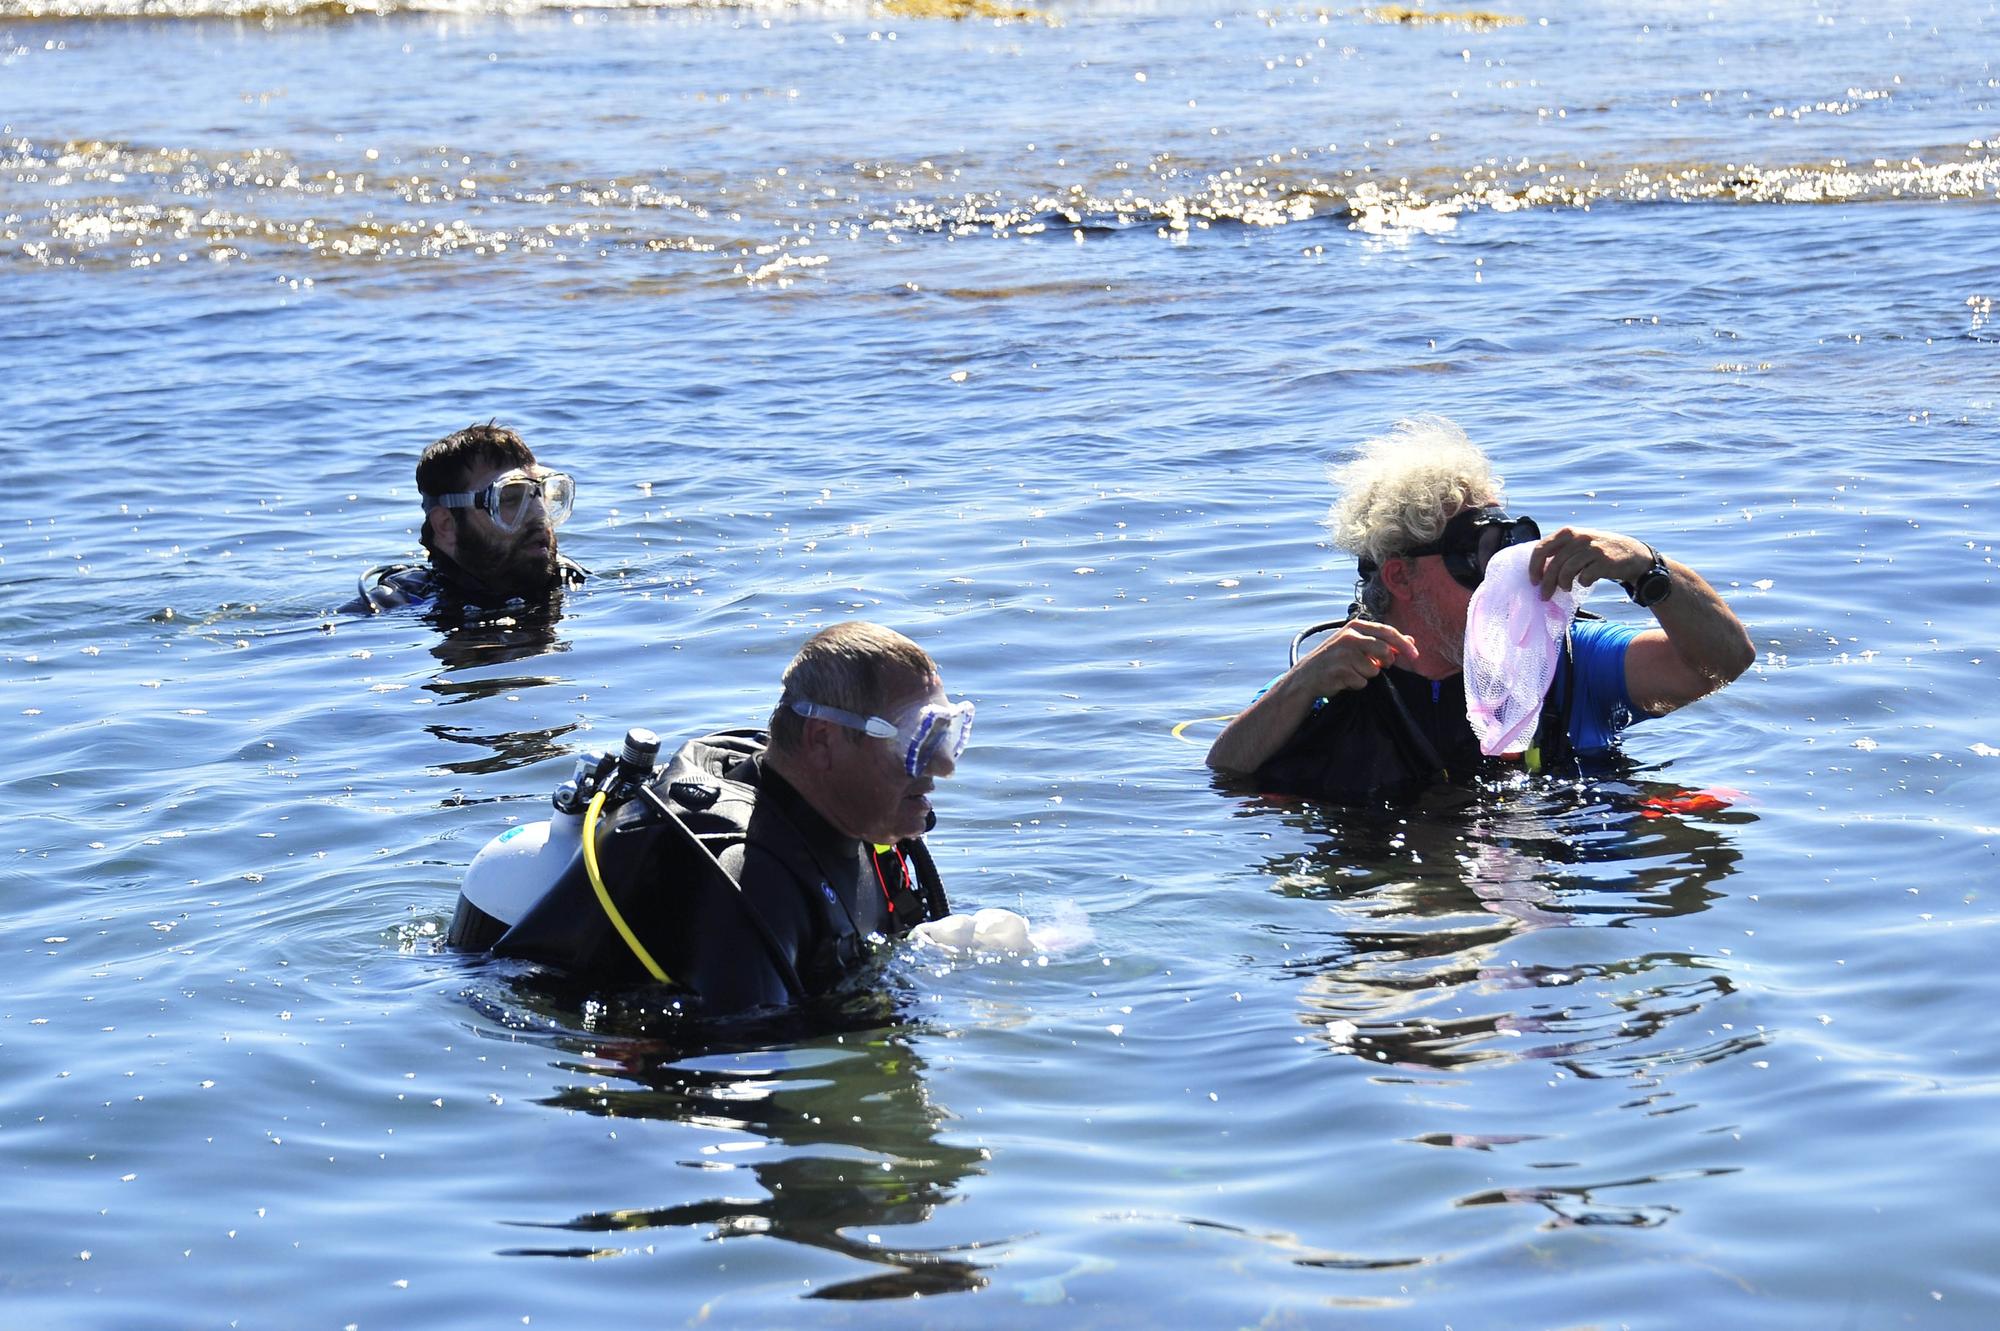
column 1742, row 655
column 1225, row 757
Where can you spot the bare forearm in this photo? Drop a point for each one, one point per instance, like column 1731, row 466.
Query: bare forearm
column 1262, row 727
column 1708, row 642
column 1350, row 658
column 1700, row 645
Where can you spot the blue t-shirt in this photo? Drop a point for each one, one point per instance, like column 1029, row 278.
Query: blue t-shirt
column 1603, row 707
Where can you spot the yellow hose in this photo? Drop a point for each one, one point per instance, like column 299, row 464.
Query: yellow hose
column 1179, row 731
column 604, row 895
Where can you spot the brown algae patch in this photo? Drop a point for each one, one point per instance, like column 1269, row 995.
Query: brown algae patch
column 1472, row 18
column 959, row 10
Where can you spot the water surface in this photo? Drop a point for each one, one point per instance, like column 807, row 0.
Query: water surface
column 972, row 329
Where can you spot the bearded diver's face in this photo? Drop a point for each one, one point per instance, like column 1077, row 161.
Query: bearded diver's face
column 520, row 560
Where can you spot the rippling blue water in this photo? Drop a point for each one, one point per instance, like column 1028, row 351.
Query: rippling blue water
column 970, row 329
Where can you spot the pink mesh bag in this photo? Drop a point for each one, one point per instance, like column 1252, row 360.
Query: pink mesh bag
column 1513, row 639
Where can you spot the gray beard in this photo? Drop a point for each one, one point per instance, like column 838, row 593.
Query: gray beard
column 1442, row 642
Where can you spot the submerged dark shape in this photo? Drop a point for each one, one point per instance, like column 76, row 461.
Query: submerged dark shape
column 1472, row 18
column 967, row 9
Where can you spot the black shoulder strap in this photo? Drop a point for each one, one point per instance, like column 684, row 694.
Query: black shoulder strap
column 1551, row 742
column 715, row 878
column 1314, row 630
column 1417, row 748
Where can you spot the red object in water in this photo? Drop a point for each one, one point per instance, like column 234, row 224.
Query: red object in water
column 1689, row 801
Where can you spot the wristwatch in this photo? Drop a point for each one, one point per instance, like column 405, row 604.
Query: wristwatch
column 1651, row 587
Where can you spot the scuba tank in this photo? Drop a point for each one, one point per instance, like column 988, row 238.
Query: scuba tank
column 513, row 871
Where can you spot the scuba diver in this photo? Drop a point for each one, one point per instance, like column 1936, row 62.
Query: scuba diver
column 1378, row 709
column 490, row 519
column 756, row 868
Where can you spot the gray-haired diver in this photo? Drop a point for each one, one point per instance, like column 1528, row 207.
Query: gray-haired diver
column 1377, row 710
column 756, row 868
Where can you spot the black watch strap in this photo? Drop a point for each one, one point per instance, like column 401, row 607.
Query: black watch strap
column 1651, row 587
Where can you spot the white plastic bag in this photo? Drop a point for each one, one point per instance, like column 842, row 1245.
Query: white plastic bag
column 988, row 930
column 1513, row 639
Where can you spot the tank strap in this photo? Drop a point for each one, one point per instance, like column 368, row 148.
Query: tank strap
column 1551, row 742
column 710, row 870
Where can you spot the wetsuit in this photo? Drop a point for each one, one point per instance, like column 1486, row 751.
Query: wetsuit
column 441, row 584
column 1400, row 732
column 772, row 905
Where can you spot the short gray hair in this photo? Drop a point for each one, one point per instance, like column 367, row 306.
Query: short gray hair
column 857, row 666
column 1398, row 490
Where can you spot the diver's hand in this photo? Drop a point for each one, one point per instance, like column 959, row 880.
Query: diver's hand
column 1574, row 557
column 1361, row 650
column 1350, row 658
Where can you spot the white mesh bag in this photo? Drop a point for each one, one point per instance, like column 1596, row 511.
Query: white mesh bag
column 1513, row 639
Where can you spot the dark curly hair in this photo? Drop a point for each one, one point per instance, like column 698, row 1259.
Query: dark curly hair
column 449, row 464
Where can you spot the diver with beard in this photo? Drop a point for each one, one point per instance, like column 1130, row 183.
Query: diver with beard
column 1378, row 709
column 490, row 518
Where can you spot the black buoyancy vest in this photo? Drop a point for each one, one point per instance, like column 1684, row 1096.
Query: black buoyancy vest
column 671, row 864
column 1368, row 744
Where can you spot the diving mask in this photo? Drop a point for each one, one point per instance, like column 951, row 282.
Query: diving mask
column 922, row 733
column 511, row 498
column 1473, row 537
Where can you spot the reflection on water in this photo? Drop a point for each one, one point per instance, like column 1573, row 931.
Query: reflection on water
column 468, row 643
column 264, row 207
column 1433, row 902
column 504, row 751
column 501, row 638
column 845, row 1136
column 1587, row 1205
column 1432, row 971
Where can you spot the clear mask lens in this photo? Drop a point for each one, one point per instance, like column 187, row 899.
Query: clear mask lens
column 513, row 499
column 932, row 731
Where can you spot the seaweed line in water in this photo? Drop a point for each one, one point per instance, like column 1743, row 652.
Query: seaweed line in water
column 1474, row 18
column 958, row 10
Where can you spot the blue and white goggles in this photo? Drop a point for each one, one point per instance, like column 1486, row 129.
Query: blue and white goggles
column 922, row 733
